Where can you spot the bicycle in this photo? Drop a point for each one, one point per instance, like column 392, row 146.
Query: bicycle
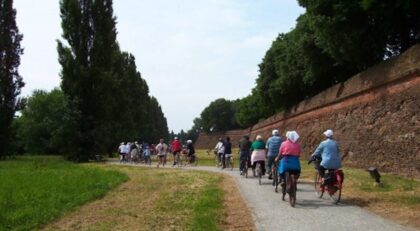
column 290, row 187
column 333, row 182
column 276, row 177
column 193, row 160
column 244, row 164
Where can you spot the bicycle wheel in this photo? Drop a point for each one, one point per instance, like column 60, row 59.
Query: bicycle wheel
column 291, row 186
column 275, row 180
column 319, row 191
column 335, row 190
column 245, row 169
column 259, row 173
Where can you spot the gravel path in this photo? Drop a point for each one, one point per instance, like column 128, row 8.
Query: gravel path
column 310, row 213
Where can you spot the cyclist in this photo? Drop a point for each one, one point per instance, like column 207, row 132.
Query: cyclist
column 329, row 152
column 244, row 156
column 289, row 154
column 161, row 150
column 258, row 154
column 176, row 148
column 272, row 146
column 228, row 151
column 190, row 151
column 220, row 149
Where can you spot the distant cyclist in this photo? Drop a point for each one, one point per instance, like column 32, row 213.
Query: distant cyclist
column 220, row 149
column 273, row 146
column 228, row 151
column 245, row 154
column 190, row 151
column 176, row 148
column 258, row 154
column 121, row 151
column 329, row 152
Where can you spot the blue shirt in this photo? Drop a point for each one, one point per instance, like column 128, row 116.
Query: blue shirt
column 328, row 151
column 273, row 145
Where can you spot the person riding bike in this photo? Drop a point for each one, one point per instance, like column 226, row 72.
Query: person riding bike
column 228, row 151
column 191, row 152
column 289, row 154
column 220, row 149
column 272, row 146
column 329, row 152
column 245, row 155
column 258, row 154
column 176, row 148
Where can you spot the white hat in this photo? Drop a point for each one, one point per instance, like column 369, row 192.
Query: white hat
column 259, row 137
column 329, row 133
column 275, row 132
column 176, row 137
column 292, row 136
column 189, row 141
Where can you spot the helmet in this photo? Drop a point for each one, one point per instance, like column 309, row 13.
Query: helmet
column 176, row 137
column 329, row 133
column 275, row 132
column 189, row 141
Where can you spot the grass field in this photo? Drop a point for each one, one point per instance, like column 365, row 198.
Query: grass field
column 35, row 190
column 156, row 199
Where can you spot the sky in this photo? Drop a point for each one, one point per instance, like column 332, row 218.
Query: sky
column 190, row 52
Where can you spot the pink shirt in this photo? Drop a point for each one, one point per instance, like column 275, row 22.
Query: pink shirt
column 289, row 148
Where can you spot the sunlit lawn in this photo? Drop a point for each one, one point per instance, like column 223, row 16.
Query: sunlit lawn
column 35, row 190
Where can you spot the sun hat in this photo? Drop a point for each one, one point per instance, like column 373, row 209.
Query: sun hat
column 329, row 133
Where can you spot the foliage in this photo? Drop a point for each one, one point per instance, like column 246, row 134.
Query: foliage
column 219, row 116
column 28, row 200
column 10, row 80
column 40, row 122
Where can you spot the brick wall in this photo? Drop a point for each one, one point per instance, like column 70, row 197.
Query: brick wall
column 375, row 117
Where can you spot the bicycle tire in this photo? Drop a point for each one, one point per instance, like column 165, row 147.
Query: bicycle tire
column 319, row 192
column 275, row 181
column 259, row 173
column 195, row 161
column 245, row 170
column 292, row 189
column 335, row 193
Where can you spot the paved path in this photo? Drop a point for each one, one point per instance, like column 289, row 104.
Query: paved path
column 310, row 213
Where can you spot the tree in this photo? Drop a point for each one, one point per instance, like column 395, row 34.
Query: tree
column 10, row 80
column 219, row 116
column 40, row 122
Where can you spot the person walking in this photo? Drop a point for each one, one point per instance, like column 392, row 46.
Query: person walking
column 161, row 150
column 272, row 146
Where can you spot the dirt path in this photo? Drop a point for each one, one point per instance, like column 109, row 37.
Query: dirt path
column 271, row 213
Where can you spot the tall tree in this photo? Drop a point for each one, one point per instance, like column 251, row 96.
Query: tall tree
column 10, row 80
column 87, row 72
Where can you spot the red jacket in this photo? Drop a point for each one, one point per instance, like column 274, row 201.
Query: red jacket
column 176, row 146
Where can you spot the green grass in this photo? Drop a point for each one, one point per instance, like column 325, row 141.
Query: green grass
column 36, row 190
